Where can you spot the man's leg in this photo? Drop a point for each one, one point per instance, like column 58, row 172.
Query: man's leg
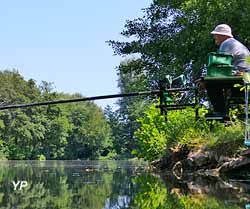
column 217, row 98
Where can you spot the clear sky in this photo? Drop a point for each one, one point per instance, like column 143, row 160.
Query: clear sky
column 63, row 41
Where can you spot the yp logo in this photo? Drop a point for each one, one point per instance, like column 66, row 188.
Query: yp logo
column 19, row 185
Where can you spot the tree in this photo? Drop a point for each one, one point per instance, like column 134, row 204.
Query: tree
column 112, row 118
column 172, row 38
column 90, row 135
column 123, row 120
column 174, row 35
column 54, row 131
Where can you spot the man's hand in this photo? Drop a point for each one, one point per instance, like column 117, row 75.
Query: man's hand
column 239, row 73
column 200, row 84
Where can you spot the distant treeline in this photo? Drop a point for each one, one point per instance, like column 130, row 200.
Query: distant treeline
column 67, row 131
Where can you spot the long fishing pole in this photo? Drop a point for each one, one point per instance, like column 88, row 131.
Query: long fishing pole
column 141, row 93
column 79, row 99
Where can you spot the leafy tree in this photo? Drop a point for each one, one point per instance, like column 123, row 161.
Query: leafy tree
column 112, row 118
column 54, row 131
column 123, row 120
column 90, row 135
column 17, row 131
column 172, row 38
column 174, row 35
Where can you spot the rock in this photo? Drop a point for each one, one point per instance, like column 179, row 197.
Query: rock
column 208, row 172
column 178, row 170
column 177, row 153
column 202, row 161
column 246, row 153
column 199, row 157
column 156, row 163
column 234, row 164
column 224, row 159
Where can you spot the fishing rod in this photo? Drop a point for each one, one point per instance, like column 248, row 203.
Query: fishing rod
column 79, row 99
column 141, row 93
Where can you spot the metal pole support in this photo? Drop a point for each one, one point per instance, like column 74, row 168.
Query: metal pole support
column 247, row 140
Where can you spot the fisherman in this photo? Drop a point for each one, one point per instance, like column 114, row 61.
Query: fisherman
column 241, row 55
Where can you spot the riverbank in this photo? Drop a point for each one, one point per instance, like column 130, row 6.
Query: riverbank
column 224, row 158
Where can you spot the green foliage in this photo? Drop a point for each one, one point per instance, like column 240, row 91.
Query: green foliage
column 69, row 131
column 226, row 140
column 152, row 194
column 41, row 157
column 171, row 38
column 183, row 128
column 156, row 135
column 57, row 184
column 123, row 120
column 204, row 203
column 151, row 137
column 90, row 135
column 221, row 133
column 172, row 35
column 53, row 185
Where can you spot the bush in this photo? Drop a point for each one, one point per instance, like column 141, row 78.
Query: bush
column 156, row 135
column 151, row 136
column 41, row 157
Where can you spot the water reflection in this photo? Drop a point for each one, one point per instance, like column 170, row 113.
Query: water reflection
column 68, row 184
column 113, row 185
column 192, row 192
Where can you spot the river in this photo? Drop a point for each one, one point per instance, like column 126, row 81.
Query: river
column 113, row 185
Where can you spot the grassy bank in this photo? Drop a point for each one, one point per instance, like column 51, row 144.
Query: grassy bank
column 156, row 136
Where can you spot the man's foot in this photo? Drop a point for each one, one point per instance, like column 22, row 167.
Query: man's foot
column 215, row 116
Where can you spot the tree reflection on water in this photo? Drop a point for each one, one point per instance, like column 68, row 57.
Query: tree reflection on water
column 193, row 192
column 114, row 185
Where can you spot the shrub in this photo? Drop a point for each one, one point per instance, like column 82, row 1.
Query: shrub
column 156, row 135
column 41, row 157
column 151, row 136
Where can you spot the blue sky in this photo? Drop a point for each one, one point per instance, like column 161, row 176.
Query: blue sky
column 63, row 41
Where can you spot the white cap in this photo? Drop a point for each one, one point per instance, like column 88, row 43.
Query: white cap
column 223, row 29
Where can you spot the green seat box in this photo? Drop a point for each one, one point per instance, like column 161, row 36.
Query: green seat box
column 219, row 59
column 219, row 70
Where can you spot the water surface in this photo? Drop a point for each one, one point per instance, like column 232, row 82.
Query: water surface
column 113, row 185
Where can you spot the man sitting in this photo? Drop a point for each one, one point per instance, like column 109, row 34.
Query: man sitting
column 241, row 55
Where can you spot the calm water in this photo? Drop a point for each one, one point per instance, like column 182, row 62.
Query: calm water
column 113, row 185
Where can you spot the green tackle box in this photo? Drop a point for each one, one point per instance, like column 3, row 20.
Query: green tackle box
column 220, row 70
column 219, row 59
